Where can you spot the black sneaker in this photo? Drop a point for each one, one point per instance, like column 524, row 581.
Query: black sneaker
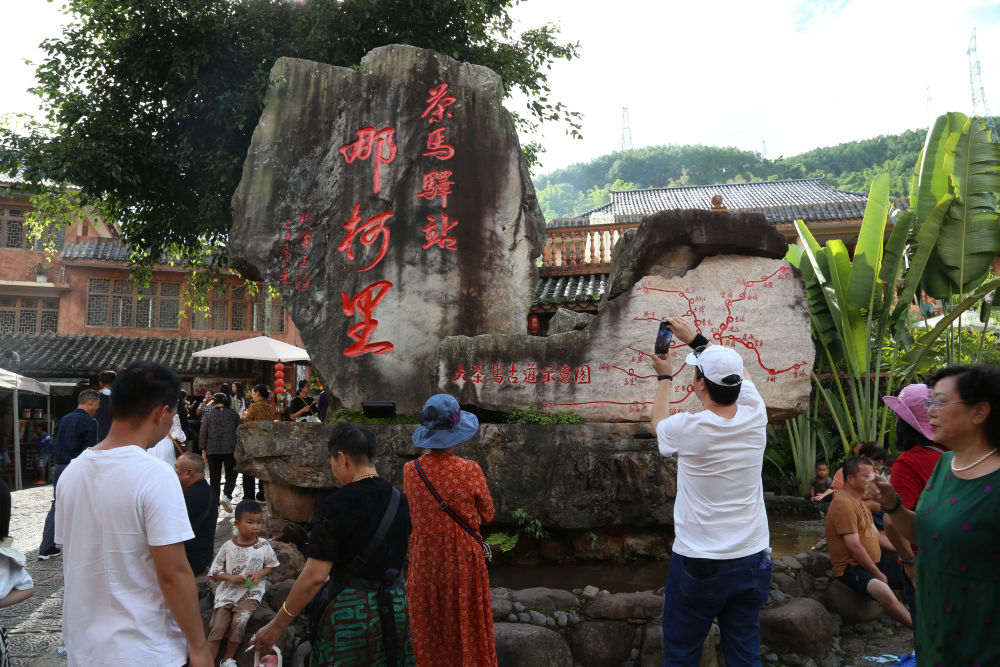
column 45, row 555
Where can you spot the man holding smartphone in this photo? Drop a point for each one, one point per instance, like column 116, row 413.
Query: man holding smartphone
column 720, row 567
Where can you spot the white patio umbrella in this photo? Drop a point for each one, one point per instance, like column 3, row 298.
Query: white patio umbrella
column 261, row 348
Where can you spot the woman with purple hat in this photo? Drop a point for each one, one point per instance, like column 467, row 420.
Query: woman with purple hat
column 911, row 470
column 448, row 588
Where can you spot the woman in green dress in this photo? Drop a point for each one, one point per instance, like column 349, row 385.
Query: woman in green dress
column 957, row 522
column 366, row 620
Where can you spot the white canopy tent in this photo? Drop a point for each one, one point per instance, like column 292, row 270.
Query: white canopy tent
column 965, row 320
column 260, row 348
column 18, row 383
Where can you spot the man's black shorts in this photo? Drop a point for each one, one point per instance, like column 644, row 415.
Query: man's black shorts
column 857, row 578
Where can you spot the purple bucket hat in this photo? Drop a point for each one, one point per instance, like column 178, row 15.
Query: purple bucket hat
column 909, row 406
column 444, row 424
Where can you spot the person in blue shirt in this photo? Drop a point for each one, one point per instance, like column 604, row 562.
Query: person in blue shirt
column 43, row 444
column 75, row 432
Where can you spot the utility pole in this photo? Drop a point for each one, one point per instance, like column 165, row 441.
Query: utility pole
column 626, row 131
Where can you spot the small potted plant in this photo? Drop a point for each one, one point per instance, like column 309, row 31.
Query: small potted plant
column 41, row 273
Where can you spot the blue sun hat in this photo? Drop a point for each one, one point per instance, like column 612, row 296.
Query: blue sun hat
column 444, row 424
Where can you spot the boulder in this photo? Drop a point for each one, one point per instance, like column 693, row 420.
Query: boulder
column 391, row 205
column 787, row 584
column 594, row 475
column 646, row 545
column 519, row 645
column 550, row 599
column 802, row 626
column 290, row 562
column 853, row 608
column 652, row 648
column 754, row 304
column 502, row 608
column 284, row 530
column 277, row 593
column 601, row 643
column 623, row 606
column 568, row 320
column 815, row 563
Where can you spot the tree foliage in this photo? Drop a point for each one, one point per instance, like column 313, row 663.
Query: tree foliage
column 848, row 166
column 150, row 106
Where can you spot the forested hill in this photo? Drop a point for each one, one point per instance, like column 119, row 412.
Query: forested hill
column 848, row 166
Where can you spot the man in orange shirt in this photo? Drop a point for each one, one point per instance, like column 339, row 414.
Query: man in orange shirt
column 854, row 541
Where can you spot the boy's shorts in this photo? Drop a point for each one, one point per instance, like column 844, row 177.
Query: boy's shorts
column 230, row 621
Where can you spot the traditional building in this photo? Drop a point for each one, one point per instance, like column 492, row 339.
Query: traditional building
column 577, row 254
column 71, row 314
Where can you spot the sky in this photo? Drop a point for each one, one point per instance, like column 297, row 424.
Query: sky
column 776, row 76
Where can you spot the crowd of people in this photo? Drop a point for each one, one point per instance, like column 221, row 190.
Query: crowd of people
column 399, row 577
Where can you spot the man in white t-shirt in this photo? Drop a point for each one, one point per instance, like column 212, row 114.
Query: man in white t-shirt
column 130, row 596
column 720, row 567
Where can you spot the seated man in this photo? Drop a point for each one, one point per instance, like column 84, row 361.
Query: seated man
column 203, row 511
column 854, row 541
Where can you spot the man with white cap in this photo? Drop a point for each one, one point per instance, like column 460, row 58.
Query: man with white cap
column 720, row 567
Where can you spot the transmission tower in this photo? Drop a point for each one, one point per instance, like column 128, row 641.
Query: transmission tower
column 763, row 148
column 979, row 106
column 626, row 131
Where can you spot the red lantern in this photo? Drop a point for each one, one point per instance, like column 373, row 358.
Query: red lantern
column 278, row 375
column 279, row 383
column 279, row 366
column 534, row 325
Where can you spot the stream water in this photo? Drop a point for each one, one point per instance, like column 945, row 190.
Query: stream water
column 788, row 537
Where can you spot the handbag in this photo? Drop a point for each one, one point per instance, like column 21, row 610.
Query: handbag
column 336, row 583
column 443, row 506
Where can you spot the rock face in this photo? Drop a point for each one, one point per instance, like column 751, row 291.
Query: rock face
column 575, row 476
column 745, row 299
column 853, row 608
column 392, row 206
column 802, row 625
column 519, row 644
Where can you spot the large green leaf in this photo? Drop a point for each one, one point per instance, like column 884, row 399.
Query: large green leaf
column 934, row 180
column 852, row 325
column 814, row 279
column 970, row 233
column 868, row 252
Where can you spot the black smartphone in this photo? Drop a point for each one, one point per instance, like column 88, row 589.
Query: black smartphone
column 663, row 338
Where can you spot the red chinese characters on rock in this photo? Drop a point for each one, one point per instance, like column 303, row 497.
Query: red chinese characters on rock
column 437, row 233
column 437, row 104
column 437, row 184
column 300, row 281
column 436, row 145
column 371, row 142
column 548, row 374
column 364, row 303
column 367, row 232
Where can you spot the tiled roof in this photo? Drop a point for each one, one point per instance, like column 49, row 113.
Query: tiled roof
column 105, row 251
column 808, row 199
column 563, row 290
column 75, row 355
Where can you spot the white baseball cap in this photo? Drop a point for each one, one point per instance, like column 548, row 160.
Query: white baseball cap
column 718, row 362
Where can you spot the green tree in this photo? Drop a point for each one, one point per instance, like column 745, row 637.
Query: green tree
column 150, row 106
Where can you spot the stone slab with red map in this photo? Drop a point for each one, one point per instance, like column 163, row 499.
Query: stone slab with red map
column 754, row 304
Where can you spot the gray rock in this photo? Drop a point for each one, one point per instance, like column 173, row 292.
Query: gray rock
column 786, row 584
column 521, row 645
column 524, row 617
column 501, row 607
column 595, row 475
column 830, row 660
column 550, row 622
column 852, row 608
column 562, row 618
column 622, row 606
column 809, row 663
column 568, row 320
column 544, row 598
column 601, row 643
column 802, row 625
column 473, row 282
column 771, row 657
column 518, row 606
column 537, row 617
column 512, row 618
column 604, row 592
column 790, row 659
column 777, row 596
column 590, row 592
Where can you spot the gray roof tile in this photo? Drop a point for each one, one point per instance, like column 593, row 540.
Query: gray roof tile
column 563, row 290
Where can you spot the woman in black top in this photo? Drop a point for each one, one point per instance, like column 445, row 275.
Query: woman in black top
column 371, row 596
column 303, row 405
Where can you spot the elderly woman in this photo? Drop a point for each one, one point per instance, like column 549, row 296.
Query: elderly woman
column 359, row 540
column 957, row 522
column 448, row 586
column 260, row 409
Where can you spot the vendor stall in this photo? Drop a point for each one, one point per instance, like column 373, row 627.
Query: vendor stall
column 16, row 420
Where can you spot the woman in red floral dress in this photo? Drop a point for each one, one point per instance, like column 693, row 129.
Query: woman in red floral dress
column 448, row 588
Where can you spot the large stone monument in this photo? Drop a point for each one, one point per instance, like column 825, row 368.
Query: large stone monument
column 719, row 270
column 392, row 207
